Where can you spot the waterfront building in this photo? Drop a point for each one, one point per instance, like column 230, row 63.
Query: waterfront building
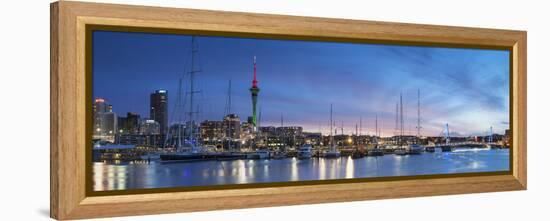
column 268, row 131
column 363, row 139
column 291, row 135
column 343, row 140
column 142, row 140
column 247, row 130
column 211, row 132
column 312, row 138
column 248, row 136
column 149, row 127
column 232, row 126
column 273, row 141
column 159, row 109
column 104, row 121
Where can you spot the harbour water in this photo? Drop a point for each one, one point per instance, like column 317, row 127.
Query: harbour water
column 155, row 174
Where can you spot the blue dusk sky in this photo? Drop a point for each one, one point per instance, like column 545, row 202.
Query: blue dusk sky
column 466, row 88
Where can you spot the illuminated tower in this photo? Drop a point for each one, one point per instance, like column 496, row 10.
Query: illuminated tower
column 254, row 91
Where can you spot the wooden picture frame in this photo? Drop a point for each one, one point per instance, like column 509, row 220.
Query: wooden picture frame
column 69, row 93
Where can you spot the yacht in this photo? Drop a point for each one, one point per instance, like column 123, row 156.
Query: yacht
column 305, row 151
column 415, row 149
column 331, row 154
column 401, row 152
column 430, row 149
column 375, row 152
column 258, row 154
column 277, row 155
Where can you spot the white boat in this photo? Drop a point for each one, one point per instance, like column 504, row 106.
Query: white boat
column 400, row 151
column 305, row 151
column 415, row 149
column 331, row 154
column 258, row 154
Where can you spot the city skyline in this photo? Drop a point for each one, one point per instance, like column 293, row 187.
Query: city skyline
column 467, row 88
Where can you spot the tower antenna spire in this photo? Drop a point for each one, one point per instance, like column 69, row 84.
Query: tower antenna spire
column 255, row 81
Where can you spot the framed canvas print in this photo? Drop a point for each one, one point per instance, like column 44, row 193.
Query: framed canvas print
column 159, row 110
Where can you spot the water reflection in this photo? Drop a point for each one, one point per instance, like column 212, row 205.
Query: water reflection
column 143, row 174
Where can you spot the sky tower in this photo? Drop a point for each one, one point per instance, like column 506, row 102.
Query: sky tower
column 254, row 91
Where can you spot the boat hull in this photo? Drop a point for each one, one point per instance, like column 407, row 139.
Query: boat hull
column 201, row 157
column 304, row 155
column 331, row 154
column 446, row 148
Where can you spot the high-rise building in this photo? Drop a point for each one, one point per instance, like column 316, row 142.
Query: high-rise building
column 132, row 122
column 159, row 109
column 104, row 121
column 254, row 90
column 101, row 106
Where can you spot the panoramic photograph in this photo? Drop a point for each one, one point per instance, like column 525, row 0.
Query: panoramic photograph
column 174, row 110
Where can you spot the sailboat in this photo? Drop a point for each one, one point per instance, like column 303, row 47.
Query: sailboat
column 189, row 149
column 447, row 147
column 376, row 150
column 332, row 152
column 401, row 150
column 416, row 148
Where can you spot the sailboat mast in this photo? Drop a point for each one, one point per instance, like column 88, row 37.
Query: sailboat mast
column 260, row 117
column 447, row 138
column 331, row 138
column 179, row 121
column 192, row 91
column 401, row 115
column 491, row 134
column 376, row 126
column 396, row 118
column 418, row 117
column 192, row 87
column 360, row 126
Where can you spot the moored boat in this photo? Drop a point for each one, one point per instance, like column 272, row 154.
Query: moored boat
column 331, row 154
column 375, row 152
column 401, row 151
column 446, row 148
column 415, row 149
column 305, row 151
column 258, row 154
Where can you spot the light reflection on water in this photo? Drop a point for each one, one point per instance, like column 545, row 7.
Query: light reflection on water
column 139, row 175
